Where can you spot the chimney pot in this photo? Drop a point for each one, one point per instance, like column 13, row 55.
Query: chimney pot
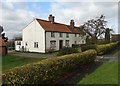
column 72, row 23
column 51, row 18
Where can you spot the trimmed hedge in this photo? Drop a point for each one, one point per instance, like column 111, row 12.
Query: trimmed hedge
column 84, row 47
column 47, row 71
column 68, row 50
column 106, row 48
column 87, row 47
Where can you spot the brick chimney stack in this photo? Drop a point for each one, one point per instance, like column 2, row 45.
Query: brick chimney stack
column 51, row 18
column 72, row 23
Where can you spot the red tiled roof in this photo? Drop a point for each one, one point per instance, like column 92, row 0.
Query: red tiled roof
column 57, row 27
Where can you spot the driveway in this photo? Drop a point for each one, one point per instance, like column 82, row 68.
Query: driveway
column 107, row 59
column 32, row 55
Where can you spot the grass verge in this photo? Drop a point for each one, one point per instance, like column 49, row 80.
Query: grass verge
column 107, row 73
column 10, row 61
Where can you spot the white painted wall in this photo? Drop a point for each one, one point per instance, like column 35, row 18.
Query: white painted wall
column 71, row 39
column 34, row 33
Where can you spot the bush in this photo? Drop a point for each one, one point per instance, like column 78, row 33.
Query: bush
column 68, row 50
column 47, row 71
column 106, row 48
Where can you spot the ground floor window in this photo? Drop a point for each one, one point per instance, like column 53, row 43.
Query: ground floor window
column 75, row 42
column 83, row 41
column 52, row 44
column 35, row 44
column 67, row 43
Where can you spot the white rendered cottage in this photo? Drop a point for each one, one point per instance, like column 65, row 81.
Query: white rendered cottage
column 43, row 36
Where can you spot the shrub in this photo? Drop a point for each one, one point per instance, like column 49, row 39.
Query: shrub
column 48, row 70
column 68, row 50
column 105, row 48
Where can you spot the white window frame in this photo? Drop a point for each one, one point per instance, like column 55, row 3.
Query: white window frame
column 67, row 35
column 67, row 43
column 35, row 44
column 53, row 44
column 53, row 34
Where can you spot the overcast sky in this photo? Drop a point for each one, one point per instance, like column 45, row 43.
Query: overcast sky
column 16, row 15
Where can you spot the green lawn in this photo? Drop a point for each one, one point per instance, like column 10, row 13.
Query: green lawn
column 10, row 61
column 107, row 73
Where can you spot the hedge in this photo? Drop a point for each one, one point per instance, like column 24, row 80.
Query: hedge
column 84, row 47
column 68, row 50
column 47, row 71
column 106, row 48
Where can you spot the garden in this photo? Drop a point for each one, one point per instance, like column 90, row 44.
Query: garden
column 35, row 71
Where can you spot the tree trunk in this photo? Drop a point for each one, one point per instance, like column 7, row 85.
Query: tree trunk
column 94, row 40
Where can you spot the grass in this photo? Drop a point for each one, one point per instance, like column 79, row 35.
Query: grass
column 107, row 73
column 10, row 61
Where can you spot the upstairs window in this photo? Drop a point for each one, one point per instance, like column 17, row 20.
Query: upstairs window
column 75, row 35
column 79, row 35
column 35, row 44
column 61, row 34
column 67, row 35
column 52, row 34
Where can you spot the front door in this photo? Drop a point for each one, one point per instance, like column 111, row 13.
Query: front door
column 60, row 44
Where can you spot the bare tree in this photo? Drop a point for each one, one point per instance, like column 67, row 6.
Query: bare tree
column 95, row 27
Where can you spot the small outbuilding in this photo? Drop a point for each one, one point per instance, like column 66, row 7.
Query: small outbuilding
column 3, row 47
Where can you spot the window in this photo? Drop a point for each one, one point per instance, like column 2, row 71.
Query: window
column 75, row 35
column 82, row 41
column 18, row 43
column 75, row 42
column 52, row 44
column 35, row 44
column 67, row 43
column 61, row 34
column 52, row 34
column 67, row 35
column 26, row 44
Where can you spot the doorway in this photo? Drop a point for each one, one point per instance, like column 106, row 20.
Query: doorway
column 60, row 44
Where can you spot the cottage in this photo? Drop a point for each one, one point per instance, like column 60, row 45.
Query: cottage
column 44, row 36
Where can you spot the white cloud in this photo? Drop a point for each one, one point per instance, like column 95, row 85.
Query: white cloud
column 14, row 19
column 83, row 11
column 16, row 15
